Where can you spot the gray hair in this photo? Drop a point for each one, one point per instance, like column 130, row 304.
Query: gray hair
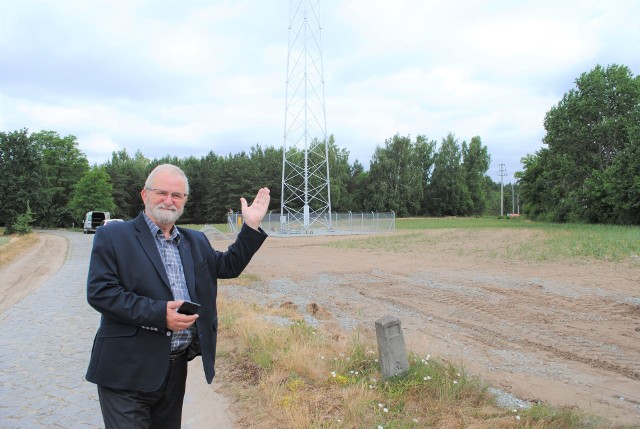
column 166, row 167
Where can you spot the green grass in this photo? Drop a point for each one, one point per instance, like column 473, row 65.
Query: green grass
column 461, row 222
column 4, row 240
column 222, row 227
column 559, row 418
column 593, row 242
column 547, row 241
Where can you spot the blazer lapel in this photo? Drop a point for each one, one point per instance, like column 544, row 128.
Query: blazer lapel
column 187, row 264
column 149, row 246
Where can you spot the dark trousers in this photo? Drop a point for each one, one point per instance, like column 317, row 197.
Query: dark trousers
column 147, row 410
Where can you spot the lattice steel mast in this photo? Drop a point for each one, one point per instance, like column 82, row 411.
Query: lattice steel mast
column 306, row 190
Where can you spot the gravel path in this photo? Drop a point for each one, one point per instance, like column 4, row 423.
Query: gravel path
column 46, row 339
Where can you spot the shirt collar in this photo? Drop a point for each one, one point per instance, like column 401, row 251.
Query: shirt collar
column 155, row 230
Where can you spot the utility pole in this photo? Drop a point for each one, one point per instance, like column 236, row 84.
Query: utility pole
column 513, row 200
column 502, row 172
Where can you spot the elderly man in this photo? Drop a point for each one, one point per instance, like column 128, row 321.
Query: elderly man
column 140, row 274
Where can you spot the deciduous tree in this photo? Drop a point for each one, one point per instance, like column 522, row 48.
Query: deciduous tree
column 92, row 193
column 396, row 177
column 23, row 178
column 475, row 162
column 448, row 192
column 589, row 171
column 64, row 165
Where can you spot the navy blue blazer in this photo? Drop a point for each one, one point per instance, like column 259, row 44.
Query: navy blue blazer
column 128, row 285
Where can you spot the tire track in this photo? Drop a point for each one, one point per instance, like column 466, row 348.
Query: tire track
column 470, row 303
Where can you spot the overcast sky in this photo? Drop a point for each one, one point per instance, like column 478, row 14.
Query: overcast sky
column 188, row 77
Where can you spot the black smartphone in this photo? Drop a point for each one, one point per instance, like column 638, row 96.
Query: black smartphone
column 189, row 308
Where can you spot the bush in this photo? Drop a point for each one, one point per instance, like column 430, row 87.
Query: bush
column 22, row 224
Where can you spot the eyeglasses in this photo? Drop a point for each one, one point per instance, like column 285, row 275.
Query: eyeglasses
column 178, row 196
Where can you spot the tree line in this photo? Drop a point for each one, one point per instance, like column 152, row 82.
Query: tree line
column 49, row 174
column 589, row 171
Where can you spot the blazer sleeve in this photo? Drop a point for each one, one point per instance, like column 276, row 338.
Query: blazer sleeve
column 231, row 263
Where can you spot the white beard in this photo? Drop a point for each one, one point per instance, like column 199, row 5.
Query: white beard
column 166, row 215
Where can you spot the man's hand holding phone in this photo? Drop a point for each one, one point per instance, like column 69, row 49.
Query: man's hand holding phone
column 178, row 317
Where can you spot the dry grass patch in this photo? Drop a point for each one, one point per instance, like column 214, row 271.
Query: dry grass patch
column 287, row 374
column 16, row 246
column 244, row 279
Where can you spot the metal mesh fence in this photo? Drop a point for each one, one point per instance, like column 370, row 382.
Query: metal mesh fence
column 335, row 224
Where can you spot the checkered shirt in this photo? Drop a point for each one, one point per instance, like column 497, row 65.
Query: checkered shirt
column 170, row 255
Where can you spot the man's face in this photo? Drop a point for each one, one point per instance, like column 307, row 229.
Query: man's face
column 164, row 203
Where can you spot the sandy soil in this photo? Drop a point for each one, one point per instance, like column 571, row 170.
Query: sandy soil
column 26, row 273
column 566, row 333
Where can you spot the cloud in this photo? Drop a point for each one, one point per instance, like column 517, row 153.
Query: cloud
column 184, row 78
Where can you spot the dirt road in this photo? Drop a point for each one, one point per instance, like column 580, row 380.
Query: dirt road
column 567, row 333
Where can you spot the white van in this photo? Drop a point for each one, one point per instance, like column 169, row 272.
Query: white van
column 92, row 220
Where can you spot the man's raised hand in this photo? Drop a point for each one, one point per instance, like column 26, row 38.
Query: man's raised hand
column 254, row 213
